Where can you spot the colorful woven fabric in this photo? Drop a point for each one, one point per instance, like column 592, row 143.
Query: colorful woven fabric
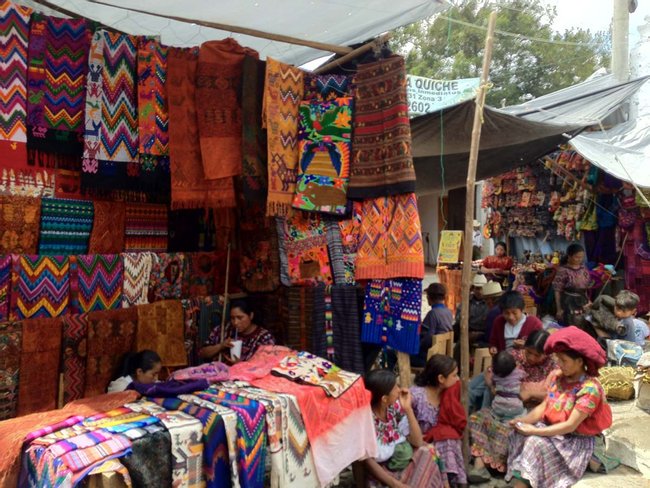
column 27, row 182
column 152, row 97
column 111, row 118
column 190, row 188
column 326, row 87
column 65, row 226
column 160, row 328
column 5, row 285
column 303, row 246
column 10, row 350
column 145, row 467
column 145, row 227
column 202, row 273
column 75, row 332
column 137, row 273
column 324, row 144
column 350, row 241
column 169, row 276
column 336, row 251
column 381, row 145
column 391, row 314
column 283, row 91
column 390, row 238
column 297, row 315
column 96, row 282
column 218, row 108
column 111, row 334
column 107, row 236
column 40, row 357
column 40, row 286
column 14, row 31
column 19, row 222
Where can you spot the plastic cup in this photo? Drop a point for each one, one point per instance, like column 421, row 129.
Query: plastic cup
column 235, row 350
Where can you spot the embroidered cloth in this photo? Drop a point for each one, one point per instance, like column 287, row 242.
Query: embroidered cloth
column 160, row 328
column 5, row 285
column 20, row 219
column 10, row 350
column 96, row 282
column 107, row 235
column 152, row 97
column 65, row 226
column 145, row 227
column 75, row 333
column 169, row 276
column 137, row 273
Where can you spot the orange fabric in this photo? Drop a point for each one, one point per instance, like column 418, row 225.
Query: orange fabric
column 451, row 278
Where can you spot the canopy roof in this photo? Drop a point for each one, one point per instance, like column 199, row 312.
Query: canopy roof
column 327, row 21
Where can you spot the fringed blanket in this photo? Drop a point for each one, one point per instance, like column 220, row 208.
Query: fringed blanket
column 283, row 91
column 20, row 219
column 40, row 286
column 137, row 273
column 381, row 145
column 160, row 328
column 190, row 188
column 169, row 276
column 5, row 285
column 107, row 236
column 145, row 227
column 390, row 238
column 96, row 282
column 111, row 334
column 391, row 314
column 324, row 134
column 10, row 349
column 65, row 226
column 40, row 357
column 75, row 333
column 111, row 135
column 324, row 88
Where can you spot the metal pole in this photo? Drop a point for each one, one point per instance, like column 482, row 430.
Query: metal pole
column 620, row 40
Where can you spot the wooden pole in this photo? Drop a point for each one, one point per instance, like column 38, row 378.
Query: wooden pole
column 352, row 54
column 469, row 217
column 225, row 300
column 240, row 30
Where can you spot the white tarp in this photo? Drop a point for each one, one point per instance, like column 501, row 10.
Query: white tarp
column 330, row 21
column 623, row 151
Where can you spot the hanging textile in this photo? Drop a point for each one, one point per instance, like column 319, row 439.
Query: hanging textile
column 283, row 91
column 96, row 282
column 191, row 310
column 303, row 247
column 169, row 276
column 381, row 145
column 14, row 31
column 637, row 263
column 5, row 284
column 391, row 314
column 65, row 226
column 40, row 356
column 324, row 88
column 190, row 188
column 111, row 118
column 40, row 286
column 187, row 230
column 324, row 134
column 350, row 229
column 75, row 332
column 111, row 334
column 145, row 227
column 152, row 97
column 336, row 250
column 259, row 244
column 202, row 273
column 10, row 350
column 160, row 328
column 107, row 235
column 390, row 242
column 218, row 107
column 20, row 219
column 297, row 317
column 137, row 273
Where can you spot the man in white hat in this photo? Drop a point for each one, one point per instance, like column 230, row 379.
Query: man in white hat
column 478, row 311
column 477, row 241
column 491, row 292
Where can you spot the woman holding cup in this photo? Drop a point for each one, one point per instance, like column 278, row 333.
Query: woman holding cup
column 242, row 336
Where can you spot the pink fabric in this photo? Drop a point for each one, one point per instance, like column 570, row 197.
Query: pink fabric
column 574, row 339
column 260, row 365
column 211, row 372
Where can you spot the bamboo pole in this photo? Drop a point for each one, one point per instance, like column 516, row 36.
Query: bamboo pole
column 239, row 30
column 353, row 54
column 225, row 301
column 469, row 218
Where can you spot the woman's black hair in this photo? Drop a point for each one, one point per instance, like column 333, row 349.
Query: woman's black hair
column 503, row 364
column 502, row 244
column 243, row 305
column 132, row 361
column 380, row 382
column 574, row 248
column 438, row 364
column 512, row 299
column 536, row 340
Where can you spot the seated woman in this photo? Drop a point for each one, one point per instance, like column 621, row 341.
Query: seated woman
column 554, row 443
column 140, row 367
column 241, row 327
column 570, row 286
column 403, row 460
column 497, row 267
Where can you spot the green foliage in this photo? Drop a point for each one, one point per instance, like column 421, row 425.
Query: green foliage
column 521, row 66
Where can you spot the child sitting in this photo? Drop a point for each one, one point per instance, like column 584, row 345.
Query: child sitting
column 641, row 332
column 625, row 311
column 507, row 380
column 437, row 321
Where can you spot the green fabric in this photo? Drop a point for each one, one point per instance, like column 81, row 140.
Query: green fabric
column 607, row 463
column 401, row 457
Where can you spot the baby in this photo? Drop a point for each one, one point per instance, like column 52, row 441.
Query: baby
column 507, row 380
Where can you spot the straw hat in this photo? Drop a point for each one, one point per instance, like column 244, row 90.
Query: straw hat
column 479, row 281
column 476, row 224
column 492, row 289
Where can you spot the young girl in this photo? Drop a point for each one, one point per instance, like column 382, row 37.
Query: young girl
column 403, row 458
column 437, row 407
column 141, row 367
column 507, row 379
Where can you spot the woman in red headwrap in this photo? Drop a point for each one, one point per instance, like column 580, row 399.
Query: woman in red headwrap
column 554, row 442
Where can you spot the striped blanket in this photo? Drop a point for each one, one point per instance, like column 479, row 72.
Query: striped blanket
column 96, row 282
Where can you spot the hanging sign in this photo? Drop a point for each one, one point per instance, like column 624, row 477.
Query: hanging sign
column 450, row 245
column 426, row 95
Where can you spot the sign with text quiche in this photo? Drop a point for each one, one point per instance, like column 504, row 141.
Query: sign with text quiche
column 451, row 242
column 426, row 95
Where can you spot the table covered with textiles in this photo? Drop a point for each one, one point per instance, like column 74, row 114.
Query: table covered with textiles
column 284, row 418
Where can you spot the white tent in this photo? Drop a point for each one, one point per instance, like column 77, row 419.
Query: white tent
column 328, row 21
